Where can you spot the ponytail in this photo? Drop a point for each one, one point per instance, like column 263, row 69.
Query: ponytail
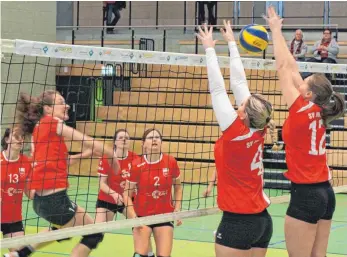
column 274, row 135
column 29, row 110
column 6, row 135
column 334, row 109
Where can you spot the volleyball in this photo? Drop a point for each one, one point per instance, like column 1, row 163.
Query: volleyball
column 254, row 38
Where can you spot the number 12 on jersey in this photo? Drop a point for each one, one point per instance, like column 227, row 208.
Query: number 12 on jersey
column 321, row 150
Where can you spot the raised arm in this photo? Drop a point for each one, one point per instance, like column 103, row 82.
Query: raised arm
column 75, row 135
column 285, row 62
column 238, row 81
column 222, row 107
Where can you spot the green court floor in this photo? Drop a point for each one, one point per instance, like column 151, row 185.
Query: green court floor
column 194, row 237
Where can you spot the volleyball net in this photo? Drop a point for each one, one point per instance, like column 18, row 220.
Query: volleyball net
column 110, row 88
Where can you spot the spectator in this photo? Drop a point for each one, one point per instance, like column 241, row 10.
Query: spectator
column 113, row 7
column 297, row 47
column 210, row 7
column 325, row 50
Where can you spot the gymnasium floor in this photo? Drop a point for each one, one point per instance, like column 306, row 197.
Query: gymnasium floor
column 194, row 237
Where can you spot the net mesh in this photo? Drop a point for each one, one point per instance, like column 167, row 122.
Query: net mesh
column 110, row 88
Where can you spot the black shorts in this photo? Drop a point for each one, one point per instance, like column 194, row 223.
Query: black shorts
column 8, row 228
column 56, row 208
column 312, row 202
column 112, row 207
column 244, row 231
column 164, row 224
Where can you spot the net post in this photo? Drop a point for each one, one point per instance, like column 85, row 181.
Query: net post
column 132, row 39
column 164, row 41
column 129, row 14
column 185, row 17
column 72, row 36
column 102, row 37
column 157, row 15
column 78, row 15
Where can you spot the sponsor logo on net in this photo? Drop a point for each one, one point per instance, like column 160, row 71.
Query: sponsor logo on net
column 147, row 56
column 67, row 50
column 182, row 58
column 127, row 56
column 267, row 64
column 39, row 49
column 156, row 193
column 165, row 58
column 106, row 53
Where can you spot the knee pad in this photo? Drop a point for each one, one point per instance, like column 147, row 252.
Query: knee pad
column 92, row 241
column 60, row 240
column 139, row 255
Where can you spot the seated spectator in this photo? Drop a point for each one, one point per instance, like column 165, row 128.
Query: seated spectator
column 325, row 50
column 113, row 7
column 297, row 47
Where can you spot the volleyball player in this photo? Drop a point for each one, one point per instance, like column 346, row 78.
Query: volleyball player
column 211, row 184
column 312, row 106
column 44, row 117
column 153, row 176
column 246, row 227
column 110, row 200
column 15, row 169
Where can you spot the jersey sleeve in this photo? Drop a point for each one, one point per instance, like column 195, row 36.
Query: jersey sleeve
column 238, row 128
column 176, row 173
column 103, row 167
column 134, row 172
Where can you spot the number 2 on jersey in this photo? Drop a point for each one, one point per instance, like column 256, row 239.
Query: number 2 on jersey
column 313, row 127
column 156, row 183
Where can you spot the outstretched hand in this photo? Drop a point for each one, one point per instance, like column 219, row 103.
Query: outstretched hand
column 206, row 37
column 227, row 32
column 272, row 18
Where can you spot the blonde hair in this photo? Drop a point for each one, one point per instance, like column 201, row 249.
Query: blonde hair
column 259, row 112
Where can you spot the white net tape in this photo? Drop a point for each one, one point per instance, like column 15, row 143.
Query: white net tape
column 93, row 53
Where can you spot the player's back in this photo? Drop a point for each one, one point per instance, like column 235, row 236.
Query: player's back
column 304, row 137
column 238, row 155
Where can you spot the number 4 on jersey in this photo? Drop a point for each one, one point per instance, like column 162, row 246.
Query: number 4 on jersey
column 258, row 164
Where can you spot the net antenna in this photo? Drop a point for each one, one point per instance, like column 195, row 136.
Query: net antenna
column 172, row 96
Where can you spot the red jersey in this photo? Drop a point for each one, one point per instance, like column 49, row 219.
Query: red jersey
column 238, row 156
column 304, row 137
column 154, row 184
column 13, row 178
column 115, row 182
column 50, row 156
